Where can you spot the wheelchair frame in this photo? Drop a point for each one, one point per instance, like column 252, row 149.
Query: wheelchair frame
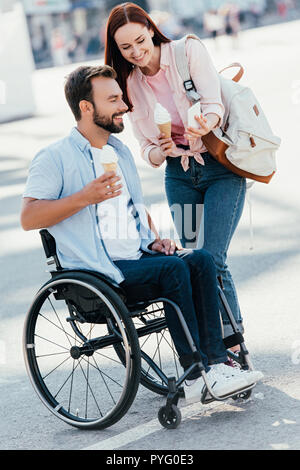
column 122, row 339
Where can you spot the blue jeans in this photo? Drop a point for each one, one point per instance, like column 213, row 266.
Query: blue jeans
column 223, row 195
column 188, row 278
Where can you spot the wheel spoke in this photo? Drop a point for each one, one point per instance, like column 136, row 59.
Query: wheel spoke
column 107, row 357
column 71, row 386
column 155, row 352
column 142, row 345
column 70, row 375
column 49, row 341
column 62, row 327
column 159, row 350
column 104, row 373
column 56, row 326
column 164, row 353
column 52, row 354
column 55, row 368
column 86, row 391
column 107, row 387
column 89, row 387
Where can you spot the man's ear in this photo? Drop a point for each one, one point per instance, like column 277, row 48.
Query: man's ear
column 86, row 106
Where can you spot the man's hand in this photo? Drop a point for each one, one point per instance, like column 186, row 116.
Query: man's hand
column 43, row 213
column 101, row 189
column 166, row 246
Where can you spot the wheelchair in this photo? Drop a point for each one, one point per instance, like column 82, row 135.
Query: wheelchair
column 87, row 350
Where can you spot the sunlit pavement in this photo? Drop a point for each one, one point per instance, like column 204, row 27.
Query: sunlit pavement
column 267, row 277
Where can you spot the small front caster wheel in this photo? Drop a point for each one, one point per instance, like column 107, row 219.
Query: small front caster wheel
column 243, row 395
column 171, row 418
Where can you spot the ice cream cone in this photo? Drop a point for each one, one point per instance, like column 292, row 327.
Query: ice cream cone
column 109, row 159
column 110, row 167
column 165, row 128
column 163, row 120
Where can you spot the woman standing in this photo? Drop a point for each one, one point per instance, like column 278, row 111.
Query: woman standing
column 144, row 60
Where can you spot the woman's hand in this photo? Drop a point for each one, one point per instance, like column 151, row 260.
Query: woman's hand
column 168, row 147
column 206, row 125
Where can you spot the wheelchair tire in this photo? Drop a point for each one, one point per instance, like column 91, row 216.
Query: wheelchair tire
column 71, row 363
column 243, row 395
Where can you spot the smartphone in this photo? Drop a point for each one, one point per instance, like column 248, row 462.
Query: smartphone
column 192, row 111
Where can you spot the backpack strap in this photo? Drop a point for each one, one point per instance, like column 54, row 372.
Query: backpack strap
column 183, row 68
column 239, row 74
column 184, row 72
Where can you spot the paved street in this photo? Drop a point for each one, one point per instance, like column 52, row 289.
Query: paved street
column 267, row 277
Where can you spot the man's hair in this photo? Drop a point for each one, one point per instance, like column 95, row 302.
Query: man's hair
column 78, row 85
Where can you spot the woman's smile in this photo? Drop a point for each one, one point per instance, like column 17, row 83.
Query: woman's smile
column 140, row 58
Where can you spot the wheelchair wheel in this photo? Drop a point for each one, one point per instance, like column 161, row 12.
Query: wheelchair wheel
column 159, row 358
column 72, row 363
column 171, row 418
column 243, row 395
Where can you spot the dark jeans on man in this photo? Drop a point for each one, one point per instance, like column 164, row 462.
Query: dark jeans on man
column 189, row 279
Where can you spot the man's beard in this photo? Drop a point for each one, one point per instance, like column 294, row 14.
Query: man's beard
column 108, row 123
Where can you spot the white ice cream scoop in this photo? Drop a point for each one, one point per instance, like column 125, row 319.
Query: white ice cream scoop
column 161, row 114
column 108, row 155
column 163, row 120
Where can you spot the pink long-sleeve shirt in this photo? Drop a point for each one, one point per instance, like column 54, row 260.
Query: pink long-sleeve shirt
column 143, row 98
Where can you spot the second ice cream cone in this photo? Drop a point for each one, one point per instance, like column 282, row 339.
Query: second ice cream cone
column 165, row 128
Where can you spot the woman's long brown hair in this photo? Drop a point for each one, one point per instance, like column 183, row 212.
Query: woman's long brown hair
column 119, row 16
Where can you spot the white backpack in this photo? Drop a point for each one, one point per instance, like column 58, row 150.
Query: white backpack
column 247, row 141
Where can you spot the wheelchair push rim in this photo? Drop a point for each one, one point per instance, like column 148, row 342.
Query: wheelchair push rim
column 72, row 364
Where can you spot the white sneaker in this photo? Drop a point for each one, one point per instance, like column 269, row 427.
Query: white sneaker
column 193, row 390
column 224, row 384
column 250, row 376
column 220, row 384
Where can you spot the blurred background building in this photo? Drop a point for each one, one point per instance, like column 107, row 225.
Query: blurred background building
column 16, row 64
column 37, row 34
column 66, row 31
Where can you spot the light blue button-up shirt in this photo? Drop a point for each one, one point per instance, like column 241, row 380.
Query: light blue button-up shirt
column 64, row 168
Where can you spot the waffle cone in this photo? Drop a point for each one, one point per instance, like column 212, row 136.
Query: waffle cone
column 165, row 128
column 110, row 167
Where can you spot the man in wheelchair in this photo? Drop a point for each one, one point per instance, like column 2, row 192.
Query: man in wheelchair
column 99, row 222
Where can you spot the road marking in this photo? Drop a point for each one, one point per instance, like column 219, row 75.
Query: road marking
column 143, row 430
column 281, row 446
